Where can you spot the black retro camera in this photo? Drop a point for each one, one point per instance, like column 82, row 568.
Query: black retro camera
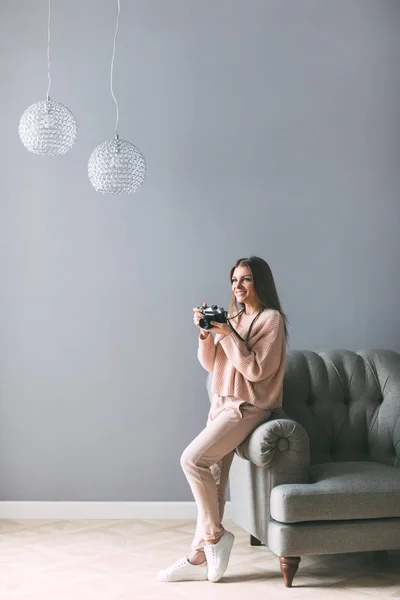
column 212, row 313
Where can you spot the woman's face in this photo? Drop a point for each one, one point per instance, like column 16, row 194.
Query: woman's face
column 243, row 286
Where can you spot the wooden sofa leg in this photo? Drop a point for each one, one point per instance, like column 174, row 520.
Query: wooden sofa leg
column 289, row 566
column 254, row 541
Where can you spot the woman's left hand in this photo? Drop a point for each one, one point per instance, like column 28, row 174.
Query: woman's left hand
column 221, row 328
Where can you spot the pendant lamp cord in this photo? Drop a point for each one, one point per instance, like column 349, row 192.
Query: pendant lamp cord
column 48, row 54
column 112, row 71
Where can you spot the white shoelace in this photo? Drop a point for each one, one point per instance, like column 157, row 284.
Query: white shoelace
column 210, row 550
column 179, row 563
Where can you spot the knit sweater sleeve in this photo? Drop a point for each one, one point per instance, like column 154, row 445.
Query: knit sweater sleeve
column 206, row 352
column 263, row 359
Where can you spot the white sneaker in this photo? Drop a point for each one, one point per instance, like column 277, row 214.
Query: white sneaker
column 183, row 570
column 218, row 556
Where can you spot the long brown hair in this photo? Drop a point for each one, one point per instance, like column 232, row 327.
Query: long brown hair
column 264, row 285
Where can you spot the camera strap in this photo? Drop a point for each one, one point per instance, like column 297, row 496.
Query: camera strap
column 250, row 328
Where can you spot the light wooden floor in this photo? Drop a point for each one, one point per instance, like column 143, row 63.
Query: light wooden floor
column 110, row 560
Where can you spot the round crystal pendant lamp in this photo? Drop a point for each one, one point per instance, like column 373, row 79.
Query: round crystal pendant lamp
column 48, row 127
column 116, row 166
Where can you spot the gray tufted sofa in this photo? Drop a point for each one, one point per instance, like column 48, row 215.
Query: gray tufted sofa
column 322, row 475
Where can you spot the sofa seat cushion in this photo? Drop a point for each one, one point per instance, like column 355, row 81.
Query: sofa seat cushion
column 339, row 491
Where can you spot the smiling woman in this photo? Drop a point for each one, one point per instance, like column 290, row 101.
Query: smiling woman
column 253, row 288
column 247, row 365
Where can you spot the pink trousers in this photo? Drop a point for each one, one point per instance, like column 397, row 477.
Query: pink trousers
column 207, row 460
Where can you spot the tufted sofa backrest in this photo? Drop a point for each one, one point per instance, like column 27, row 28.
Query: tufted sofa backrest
column 348, row 402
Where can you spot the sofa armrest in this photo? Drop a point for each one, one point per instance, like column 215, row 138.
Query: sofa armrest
column 281, row 445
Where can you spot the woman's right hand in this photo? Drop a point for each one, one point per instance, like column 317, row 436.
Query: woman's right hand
column 197, row 315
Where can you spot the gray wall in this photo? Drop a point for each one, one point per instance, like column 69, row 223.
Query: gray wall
column 269, row 127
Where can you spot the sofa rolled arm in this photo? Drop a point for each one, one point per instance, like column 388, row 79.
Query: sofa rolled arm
column 280, row 444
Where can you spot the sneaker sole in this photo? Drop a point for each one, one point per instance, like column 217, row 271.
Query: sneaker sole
column 194, row 578
column 200, row 575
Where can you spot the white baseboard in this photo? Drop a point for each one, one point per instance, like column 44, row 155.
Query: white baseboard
column 100, row 510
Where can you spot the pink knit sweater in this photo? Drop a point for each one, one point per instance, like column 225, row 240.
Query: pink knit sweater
column 254, row 371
